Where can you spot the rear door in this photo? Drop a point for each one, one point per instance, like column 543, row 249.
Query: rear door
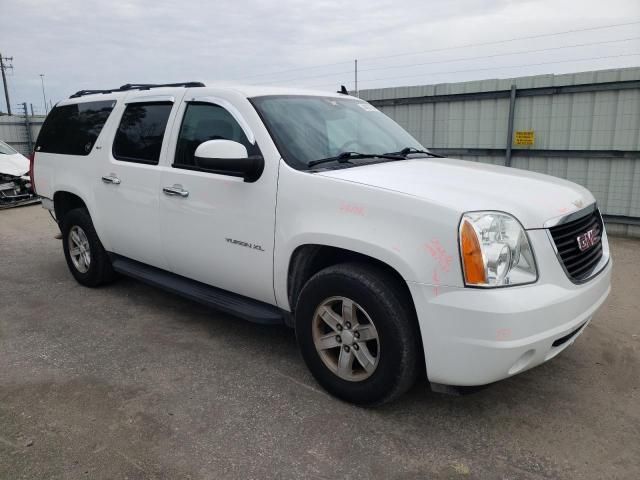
column 221, row 230
column 129, row 185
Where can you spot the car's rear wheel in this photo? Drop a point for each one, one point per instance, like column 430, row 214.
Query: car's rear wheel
column 86, row 257
column 357, row 333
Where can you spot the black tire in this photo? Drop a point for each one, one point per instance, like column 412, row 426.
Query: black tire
column 99, row 271
column 392, row 313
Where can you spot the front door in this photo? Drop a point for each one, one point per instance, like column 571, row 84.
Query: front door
column 218, row 229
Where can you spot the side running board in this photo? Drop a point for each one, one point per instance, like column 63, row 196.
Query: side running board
column 232, row 303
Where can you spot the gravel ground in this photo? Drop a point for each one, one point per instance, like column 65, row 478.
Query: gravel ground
column 127, row 381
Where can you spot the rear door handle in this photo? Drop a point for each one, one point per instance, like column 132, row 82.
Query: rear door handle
column 111, row 179
column 176, row 190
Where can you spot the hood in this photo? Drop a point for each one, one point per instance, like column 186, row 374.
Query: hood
column 533, row 198
column 16, row 165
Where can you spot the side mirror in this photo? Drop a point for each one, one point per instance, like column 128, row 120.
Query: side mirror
column 227, row 157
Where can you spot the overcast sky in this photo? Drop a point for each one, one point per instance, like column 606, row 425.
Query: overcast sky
column 87, row 44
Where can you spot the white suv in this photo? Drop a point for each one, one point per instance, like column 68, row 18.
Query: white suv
column 318, row 211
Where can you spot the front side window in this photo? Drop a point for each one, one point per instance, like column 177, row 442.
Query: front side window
column 73, row 129
column 307, row 128
column 140, row 133
column 203, row 122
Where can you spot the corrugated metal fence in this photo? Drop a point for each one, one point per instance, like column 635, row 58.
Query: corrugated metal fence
column 586, row 128
column 20, row 132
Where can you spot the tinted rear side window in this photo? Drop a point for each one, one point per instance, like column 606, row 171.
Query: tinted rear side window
column 73, row 129
column 140, row 134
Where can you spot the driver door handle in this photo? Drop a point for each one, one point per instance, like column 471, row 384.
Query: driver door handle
column 176, row 190
column 111, row 179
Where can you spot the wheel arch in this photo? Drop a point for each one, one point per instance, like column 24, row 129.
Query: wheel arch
column 308, row 259
column 65, row 201
column 67, row 198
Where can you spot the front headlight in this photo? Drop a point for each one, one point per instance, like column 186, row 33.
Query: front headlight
column 495, row 250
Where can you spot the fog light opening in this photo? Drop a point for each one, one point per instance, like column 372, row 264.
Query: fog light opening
column 523, row 362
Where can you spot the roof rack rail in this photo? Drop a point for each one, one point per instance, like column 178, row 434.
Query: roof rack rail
column 137, row 86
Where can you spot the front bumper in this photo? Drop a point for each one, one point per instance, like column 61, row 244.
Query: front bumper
column 478, row 336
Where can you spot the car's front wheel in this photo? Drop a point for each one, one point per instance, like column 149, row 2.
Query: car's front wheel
column 357, row 333
column 86, row 257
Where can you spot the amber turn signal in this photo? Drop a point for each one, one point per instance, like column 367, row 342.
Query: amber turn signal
column 474, row 271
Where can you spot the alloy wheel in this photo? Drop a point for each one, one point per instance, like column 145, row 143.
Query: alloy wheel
column 79, row 249
column 346, row 339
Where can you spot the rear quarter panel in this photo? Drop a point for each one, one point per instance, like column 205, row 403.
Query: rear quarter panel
column 77, row 174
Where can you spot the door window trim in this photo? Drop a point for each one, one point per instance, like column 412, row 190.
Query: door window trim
column 219, row 102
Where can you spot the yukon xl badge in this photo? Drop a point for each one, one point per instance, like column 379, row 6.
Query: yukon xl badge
column 588, row 239
column 253, row 246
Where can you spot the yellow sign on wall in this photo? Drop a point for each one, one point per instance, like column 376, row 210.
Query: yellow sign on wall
column 525, row 137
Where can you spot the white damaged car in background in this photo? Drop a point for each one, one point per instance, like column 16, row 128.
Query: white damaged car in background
column 15, row 185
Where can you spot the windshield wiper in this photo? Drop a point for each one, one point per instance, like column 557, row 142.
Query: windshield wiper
column 409, row 150
column 346, row 157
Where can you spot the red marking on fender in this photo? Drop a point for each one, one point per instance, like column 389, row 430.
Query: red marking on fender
column 353, row 209
column 503, row 334
column 437, row 251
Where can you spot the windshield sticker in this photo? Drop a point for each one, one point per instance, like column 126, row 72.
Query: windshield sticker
column 367, row 108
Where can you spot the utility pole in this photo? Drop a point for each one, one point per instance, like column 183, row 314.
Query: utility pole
column 27, row 127
column 46, row 110
column 3, row 68
column 356, row 74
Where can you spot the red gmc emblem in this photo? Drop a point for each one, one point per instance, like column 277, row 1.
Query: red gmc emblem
column 588, row 239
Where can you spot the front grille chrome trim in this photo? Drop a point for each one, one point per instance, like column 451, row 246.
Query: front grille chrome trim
column 579, row 266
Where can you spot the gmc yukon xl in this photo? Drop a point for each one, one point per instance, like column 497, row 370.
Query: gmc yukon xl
column 318, row 211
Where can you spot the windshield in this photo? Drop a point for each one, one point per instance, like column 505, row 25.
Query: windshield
column 6, row 149
column 310, row 128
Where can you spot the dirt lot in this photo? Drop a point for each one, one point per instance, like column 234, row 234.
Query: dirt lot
column 127, row 381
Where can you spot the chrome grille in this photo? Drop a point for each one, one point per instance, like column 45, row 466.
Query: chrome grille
column 579, row 264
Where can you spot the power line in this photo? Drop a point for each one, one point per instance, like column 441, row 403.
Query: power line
column 488, row 68
column 538, row 50
column 494, row 42
column 411, row 65
column 528, row 37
